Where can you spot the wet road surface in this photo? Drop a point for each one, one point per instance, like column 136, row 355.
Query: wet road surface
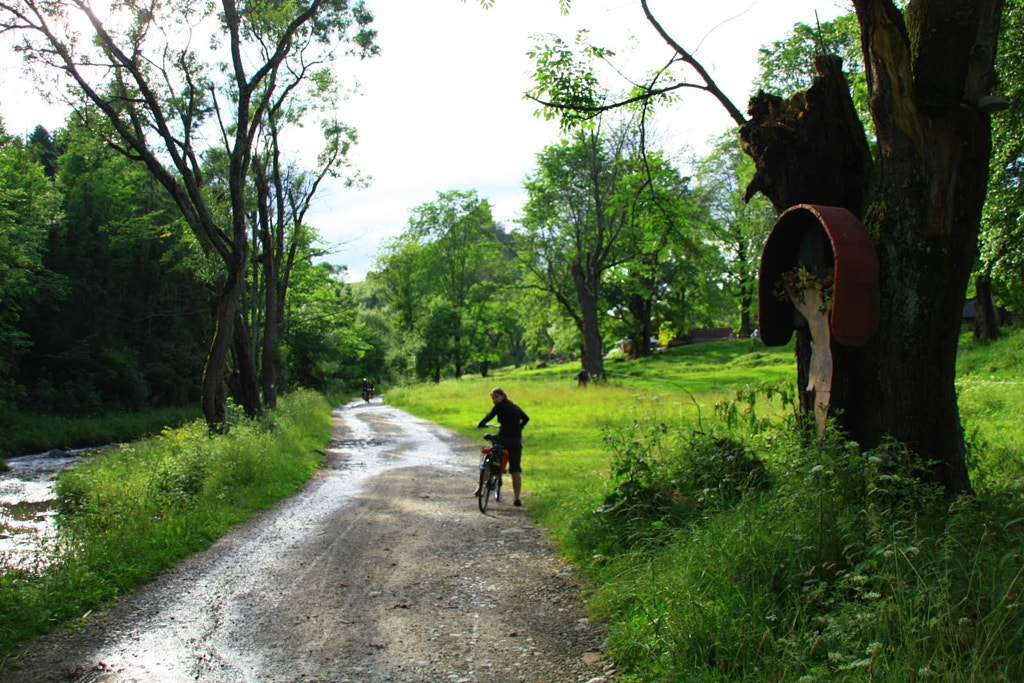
column 380, row 569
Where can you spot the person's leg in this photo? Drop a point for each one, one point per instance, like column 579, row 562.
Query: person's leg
column 515, row 455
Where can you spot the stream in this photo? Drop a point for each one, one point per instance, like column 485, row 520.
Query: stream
column 28, row 517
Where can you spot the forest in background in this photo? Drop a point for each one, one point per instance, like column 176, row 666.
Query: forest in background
column 109, row 297
column 112, row 299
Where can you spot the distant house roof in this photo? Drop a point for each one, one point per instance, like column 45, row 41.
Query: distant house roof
column 710, row 334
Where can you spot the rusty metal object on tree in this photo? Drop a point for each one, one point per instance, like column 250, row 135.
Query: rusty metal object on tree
column 823, row 238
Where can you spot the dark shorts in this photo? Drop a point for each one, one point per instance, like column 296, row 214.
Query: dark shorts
column 515, row 454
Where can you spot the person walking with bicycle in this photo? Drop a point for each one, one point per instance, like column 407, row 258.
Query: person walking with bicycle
column 511, row 419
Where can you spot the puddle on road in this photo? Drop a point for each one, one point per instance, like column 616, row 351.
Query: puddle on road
column 376, row 438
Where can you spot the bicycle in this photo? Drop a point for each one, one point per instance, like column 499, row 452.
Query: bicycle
column 491, row 468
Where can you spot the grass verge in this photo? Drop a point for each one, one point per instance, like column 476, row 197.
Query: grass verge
column 23, row 433
column 131, row 514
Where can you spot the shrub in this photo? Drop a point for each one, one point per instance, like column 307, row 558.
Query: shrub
column 849, row 569
column 665, row 478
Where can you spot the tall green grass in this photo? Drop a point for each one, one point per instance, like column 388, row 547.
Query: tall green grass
column 130, row 514
column 23, row 433
column 719, row 546
column 990, row 384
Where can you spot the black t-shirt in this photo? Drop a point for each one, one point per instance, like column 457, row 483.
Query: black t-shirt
column 511, row 418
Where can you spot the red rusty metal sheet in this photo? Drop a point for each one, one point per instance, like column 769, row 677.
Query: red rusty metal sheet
column 824, row 237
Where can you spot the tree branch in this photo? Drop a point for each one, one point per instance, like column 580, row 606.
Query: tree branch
column 617, row 104
column 710, row 86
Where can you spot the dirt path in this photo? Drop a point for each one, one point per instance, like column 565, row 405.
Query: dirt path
column 380, row 569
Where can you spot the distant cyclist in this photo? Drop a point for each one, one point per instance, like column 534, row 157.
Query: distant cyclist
column 367, row 390
column 511, row 419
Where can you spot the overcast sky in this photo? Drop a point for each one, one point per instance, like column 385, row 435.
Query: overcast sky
column 441, row 108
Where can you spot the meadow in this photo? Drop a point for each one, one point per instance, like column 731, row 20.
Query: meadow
column 718, row 545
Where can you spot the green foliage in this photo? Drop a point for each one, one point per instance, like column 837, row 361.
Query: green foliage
column 29, row 207
column 565, row 80
column 787, row 65
column 740, row 224
column 154, row 110
column 324, row 346
column 443, row 287
column 438, row 348
column 989, row 385
column 608, row 228
column 131, row 513
column 664, row 478
column 850, row 569
column 1002, row 257
column 116, row 323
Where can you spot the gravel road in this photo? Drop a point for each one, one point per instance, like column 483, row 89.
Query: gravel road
column 381, row 569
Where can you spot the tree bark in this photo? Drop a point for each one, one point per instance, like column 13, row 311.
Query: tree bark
column 270, row 259
column 926, row 76
column 986, row 317
column 216, row 369
column 811, row 149
column 587, row 291
column 248, row 390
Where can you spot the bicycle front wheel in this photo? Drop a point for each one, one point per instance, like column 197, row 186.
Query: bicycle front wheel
column 486, row 493
column 482, row 492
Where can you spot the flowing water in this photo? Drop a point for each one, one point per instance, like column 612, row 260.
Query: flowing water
column 28, row 516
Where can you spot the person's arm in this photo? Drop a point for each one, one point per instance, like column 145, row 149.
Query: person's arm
column 490, row 415
column 524, row 418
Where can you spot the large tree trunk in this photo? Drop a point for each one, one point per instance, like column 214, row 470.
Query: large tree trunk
column 926, row 84
column 268, row 354
column 248, row 390
column 986, row 316
column 587, row 291
column 923, row 211
column 216, row 368
column 270, row 260
column 811, row 149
